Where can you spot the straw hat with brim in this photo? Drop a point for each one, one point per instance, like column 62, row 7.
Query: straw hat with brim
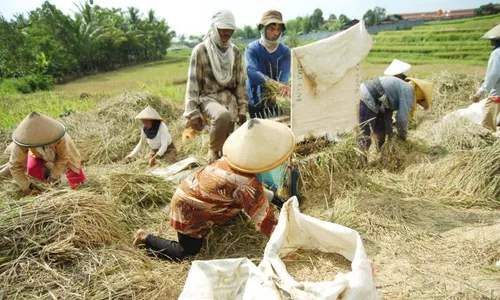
column 258, row 146
column 37, row 130
column 397, row 67
column 425, row 87
column 270, row 17
column 148, row 113
column 493, row 34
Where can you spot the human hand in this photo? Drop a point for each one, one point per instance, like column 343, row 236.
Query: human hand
column 284, row 89
column 31, row 192
column 52, row 180
column 196, row 124
column 242, row 119
column 152, row 161
column 129, row 157
column 475, row 98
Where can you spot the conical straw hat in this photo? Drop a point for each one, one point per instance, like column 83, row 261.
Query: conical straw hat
column 149, row 113
column 425, row 87
column 258, row 146
column 397, row 67
column 492, row 34
column 37, row 130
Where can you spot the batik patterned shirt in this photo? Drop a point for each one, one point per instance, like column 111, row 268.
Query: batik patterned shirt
column 215, row 194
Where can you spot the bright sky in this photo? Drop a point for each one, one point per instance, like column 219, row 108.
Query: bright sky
column 193, row 16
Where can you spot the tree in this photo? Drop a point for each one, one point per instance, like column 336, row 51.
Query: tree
column 375, row 16
column 316, row 20
column 487, row 9
column 332, row 17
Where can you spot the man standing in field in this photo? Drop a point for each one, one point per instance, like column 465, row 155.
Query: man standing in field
column 216, row 84
column 491, row 83
column 268, row 67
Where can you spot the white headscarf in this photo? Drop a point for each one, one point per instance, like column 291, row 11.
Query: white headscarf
column 270, row 46
column 221, row 54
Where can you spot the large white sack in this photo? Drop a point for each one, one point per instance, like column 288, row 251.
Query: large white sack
column 475, row 112
column 325, row 83
column 241, row 279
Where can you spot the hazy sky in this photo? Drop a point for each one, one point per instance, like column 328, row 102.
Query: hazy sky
column 193, row 16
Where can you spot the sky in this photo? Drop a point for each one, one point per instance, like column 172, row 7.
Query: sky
column 192, row 17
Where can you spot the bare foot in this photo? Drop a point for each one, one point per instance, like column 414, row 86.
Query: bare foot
column 140, row 237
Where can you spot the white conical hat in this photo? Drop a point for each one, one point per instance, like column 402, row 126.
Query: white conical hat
column 37, row 130
column 492, row 34
column 149, row 113
column 397, row 67
column 259, row 145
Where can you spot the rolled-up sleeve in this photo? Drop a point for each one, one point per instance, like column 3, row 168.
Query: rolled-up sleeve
column 492, row 74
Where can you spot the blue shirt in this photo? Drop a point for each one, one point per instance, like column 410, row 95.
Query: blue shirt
column 491, row 84
column 261, row 66
column 400, row 96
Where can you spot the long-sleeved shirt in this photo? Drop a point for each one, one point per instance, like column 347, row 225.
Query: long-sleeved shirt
column 400, row 96
column 202, row 85
column 263, row 66
column 159, row 143
column 491, row 83
column 215, row 194
column 63, row 155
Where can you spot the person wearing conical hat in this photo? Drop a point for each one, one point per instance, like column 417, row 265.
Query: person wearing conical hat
column 43, row 150
column 491, row 83
column 155, row 133
column 216, row 193
column 268, row 64
column 381, row 97
column 397, row 69
column 216, row 84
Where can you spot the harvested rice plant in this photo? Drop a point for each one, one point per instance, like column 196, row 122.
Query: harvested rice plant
column 428, row 210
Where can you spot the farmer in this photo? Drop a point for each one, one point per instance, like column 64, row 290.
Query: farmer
column 397, row 69
column 216, row 84
column 380, row 97
column 44, row 151
column 268, row 67
column 491, row 83
column 155, row 133
column 217, row 192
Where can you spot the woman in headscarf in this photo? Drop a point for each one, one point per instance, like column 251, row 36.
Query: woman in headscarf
column 43, row 150
column 155, row 133
column 216, row 193
column 216, row 84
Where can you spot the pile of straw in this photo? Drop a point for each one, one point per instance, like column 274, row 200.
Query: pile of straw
column 56, row 225
column 142, row 190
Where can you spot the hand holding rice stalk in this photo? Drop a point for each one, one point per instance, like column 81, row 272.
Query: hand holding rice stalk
column 278, row 92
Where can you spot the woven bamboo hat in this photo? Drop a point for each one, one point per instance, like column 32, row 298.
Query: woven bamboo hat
column 425, row 88
column 37, row 130
column 397, row 67
column 148, row 113
column 492, row 34
column 258, row 146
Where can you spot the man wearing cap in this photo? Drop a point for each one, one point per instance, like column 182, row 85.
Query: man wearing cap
column 397, row 69
column 491, row 83
column 216, row 84
column 216, row 193
column 268, row 66
column 44, row 151
column 380, row 97
column 155, row 133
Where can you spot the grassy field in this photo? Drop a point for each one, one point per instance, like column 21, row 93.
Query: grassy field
column 436, row 42
column 428, row 210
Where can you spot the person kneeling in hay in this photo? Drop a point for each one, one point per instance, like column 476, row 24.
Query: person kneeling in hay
column 44, row 150
column 155, row 133
column 219, row 191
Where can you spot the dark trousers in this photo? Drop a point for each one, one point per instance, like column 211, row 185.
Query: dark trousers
column 265, row 112
column 173, row 250
column 379, row 124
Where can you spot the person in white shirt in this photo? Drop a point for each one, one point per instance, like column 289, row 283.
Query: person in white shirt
column 155, row 134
